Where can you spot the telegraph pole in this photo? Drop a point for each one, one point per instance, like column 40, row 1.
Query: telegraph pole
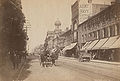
column 26, row 26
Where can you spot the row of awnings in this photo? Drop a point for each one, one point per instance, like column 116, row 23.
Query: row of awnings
column 107, row 43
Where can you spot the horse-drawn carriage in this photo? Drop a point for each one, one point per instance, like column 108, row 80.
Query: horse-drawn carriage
column 48, row 57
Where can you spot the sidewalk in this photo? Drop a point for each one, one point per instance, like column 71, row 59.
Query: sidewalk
column 106, row 62
column 96, row 61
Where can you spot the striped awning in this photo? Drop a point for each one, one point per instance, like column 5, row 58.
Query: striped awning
column 100, row 44
column 109, row 43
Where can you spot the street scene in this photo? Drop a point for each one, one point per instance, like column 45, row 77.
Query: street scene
column 59, row 40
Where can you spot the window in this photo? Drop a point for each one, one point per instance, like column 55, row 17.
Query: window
column 85, row 36
column 102, row 33
column 98, row 34
column 106, row 32
column 82, row 37
column 94, row 34
column 116, row 33
column 112, row 30
column 118, row 28
column 90, row 34
column 75, row 26
column 85, row 28
column 75, row 36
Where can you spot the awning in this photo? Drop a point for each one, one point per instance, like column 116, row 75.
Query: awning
column 100, row 43
column 92, row 44
column 109, row 43
column 116, row 44
column 69, row 47
column 85, row 46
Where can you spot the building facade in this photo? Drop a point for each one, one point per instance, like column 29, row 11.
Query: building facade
column 75, row 21
column 83, row 10
column 98, row 33
column 88, row 8
column 67, row 37
column 53, row 38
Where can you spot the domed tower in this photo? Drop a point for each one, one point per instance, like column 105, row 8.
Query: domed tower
column 57, row 26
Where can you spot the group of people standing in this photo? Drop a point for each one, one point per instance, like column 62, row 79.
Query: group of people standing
column 48, row 58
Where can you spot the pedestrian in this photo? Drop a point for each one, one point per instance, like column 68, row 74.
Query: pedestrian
column 42, row 60
column 53, row 58
column 12, row 57
column 39, row 57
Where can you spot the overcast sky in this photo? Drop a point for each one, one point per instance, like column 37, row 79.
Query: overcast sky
column 42, row 15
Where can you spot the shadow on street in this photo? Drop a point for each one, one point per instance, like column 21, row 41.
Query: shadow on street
column 25, row 70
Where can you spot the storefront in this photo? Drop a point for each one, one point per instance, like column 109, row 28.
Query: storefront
column 104, row 49
column 107, row 49
column 70, row 50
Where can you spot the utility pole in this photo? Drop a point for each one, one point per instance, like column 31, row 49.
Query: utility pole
column 26, row 26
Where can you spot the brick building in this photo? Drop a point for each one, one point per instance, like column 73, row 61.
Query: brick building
column 83, row 10
column 100, row 34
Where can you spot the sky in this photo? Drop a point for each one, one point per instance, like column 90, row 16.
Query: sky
column 42, row 15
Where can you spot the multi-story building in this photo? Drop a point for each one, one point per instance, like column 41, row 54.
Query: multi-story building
column 83, row 10
column 75, row 20
column 67, row 37
column 69, row 46
column 53, row 38
column 88, row 8
column 100, row 34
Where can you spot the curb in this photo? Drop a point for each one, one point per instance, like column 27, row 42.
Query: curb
column 105, row 62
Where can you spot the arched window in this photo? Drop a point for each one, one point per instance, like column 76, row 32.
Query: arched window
column 75, row 26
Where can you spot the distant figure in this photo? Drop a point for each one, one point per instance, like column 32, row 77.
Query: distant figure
column 39, row 57
column 53, row 58
column 12, row 57
column 42, row 60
